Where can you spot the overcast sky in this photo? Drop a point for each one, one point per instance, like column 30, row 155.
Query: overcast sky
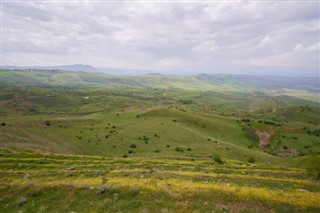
column 181, row 37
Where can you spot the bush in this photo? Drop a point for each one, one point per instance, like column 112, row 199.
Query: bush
column 3, row 124
column 124, row 156
column 179, row 149
column 130, row 151
column 168, row 146
column 35, row 193
column 251, row 159
column 157, row 151
column 189, row 149
column 48, row 123
column 133, row 146
column 217, row 158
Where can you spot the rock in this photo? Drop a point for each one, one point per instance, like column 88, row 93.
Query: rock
column 71, row 168
column 164, row 211
column 115, row 196
column 101, row 190
column 303, row 190
column 152, row 171
column 21, row 201
column 224, row 208
column 27, row 176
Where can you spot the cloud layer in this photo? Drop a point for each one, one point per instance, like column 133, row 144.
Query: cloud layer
column 216, row 37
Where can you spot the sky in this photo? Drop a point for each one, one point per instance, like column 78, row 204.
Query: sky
column 274, row 37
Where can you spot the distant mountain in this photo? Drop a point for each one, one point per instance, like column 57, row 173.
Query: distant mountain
column 214, row 82
column 84, row 68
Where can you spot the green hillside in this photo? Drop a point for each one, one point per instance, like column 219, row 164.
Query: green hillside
column 163, row 143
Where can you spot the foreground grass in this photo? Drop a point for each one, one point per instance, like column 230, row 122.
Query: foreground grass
column 66, row 183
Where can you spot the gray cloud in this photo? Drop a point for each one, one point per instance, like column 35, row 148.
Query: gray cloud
column 167, row 37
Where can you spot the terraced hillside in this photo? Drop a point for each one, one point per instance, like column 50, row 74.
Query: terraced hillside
column 74, row 183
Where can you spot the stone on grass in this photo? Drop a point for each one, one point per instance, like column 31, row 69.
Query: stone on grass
column 27, row 176
column 101, row 190
column 71, row 168
column 21, row 201
column 115, row 196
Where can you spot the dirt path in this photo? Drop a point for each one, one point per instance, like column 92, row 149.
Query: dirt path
column 264, row 138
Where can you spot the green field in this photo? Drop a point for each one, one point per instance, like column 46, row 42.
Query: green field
column 79, row 142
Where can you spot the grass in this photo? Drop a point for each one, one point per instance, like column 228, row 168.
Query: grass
column 135, row 184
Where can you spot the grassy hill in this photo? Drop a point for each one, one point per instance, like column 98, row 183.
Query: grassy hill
column 163, row 143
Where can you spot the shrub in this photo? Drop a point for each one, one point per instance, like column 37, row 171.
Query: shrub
column 217, row 158
column 189, row 149
column 124, row 156
column 157, row 151
column 133, row 146
column 48, row 123
column 251, row 159
column 179, row 149
column 35, row 193
column 3, row 124
column 130, row 151
column 168, row 146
